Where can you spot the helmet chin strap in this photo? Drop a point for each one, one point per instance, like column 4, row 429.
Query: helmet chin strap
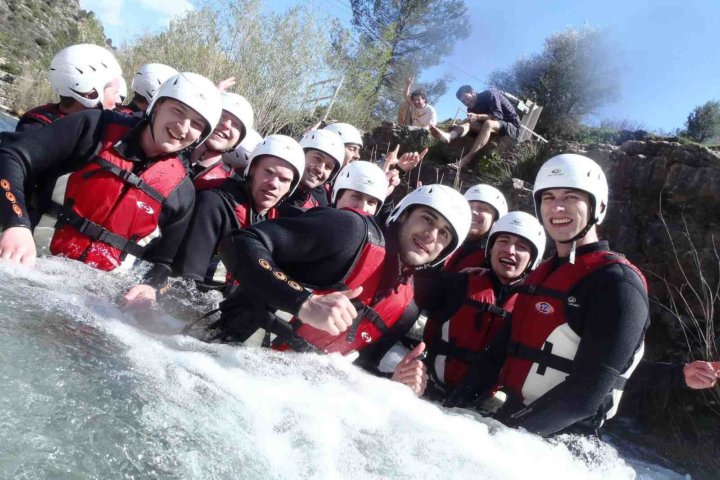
column 581, row 234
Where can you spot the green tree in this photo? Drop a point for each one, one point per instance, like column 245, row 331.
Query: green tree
column 703, row 123
column 572, row 77
column 396, row 39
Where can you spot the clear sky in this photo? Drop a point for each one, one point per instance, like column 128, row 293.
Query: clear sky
column 668, row 49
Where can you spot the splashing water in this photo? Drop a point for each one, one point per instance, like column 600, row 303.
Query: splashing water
column 92, row 392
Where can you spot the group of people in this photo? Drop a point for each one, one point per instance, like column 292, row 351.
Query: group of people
column 179, row 178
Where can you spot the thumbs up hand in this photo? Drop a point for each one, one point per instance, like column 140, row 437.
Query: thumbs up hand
column 333, row 312
column 411, row 371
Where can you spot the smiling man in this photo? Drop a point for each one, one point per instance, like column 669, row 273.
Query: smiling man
column 271, row 176
column 208, row 167
column 347, row 281
column 469, row 309
column 108, row 188
column 487, row 204
column 579, row 321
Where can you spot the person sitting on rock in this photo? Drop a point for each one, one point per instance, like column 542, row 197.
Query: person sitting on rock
column 419, row 114
column 489, row 112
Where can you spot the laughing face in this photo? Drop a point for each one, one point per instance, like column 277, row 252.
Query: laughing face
column 483, row 216
column 422, row 236
column 227, row 133
column 270, row 180
column 565, row 212
column 318, row 168
column 509, row 257
column 175, row 126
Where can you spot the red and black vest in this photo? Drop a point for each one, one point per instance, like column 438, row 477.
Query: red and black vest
column 542, row 345
column 213, row 176
column 462, row 259
column 377, row 310
column 454, row 345
column 109, row 211
column 44, row 114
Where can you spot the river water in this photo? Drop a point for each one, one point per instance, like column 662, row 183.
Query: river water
column 90, row 391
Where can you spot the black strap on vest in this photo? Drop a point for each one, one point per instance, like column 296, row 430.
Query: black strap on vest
column 542, row 291
column 127, row 176
column 543, row 357
column 66, row 216
column 365, row 312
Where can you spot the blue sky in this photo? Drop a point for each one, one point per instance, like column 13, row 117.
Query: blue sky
column 667, row 49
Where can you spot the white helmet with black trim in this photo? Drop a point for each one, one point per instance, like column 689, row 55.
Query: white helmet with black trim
column 327, row 142
column 285, row 148
column 240, row 156
column 347, row 133
column 490, row 195
column 576, row 172
column 83, row 69
column 240, row 108
column 521, row 225
column 365, row 177
column 195, row 91
column 446, row 201
column 149, row 77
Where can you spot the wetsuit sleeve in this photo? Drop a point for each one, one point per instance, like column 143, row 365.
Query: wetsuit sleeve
column 174, row 220
column 27, row 123
column 614, row 317
column 656, row 375
column 210, row 223
column 63, row 146
column 272, row 259
column 438, row 291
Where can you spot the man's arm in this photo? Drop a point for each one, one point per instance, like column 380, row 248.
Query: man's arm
column 408, row 86
column 272, row 260
column 615, row 319
column 209, row 225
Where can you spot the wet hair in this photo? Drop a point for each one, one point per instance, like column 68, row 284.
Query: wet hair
column 419, row 93
column 463, row 90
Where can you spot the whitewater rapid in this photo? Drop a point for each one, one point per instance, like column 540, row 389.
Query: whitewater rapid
column 90, row 391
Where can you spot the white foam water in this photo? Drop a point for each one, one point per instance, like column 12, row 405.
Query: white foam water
column 90, row 391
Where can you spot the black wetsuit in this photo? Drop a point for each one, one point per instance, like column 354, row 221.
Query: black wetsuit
column 317, row 250
column 214, row 217
column 31, row 162
column 611, row 317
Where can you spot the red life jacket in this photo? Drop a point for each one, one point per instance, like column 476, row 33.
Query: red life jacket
column 310, row 202
column 377, row 311
column 542, row 345
column 460, row 260
column 45, row 114
column 213, row 176
column 108, row 210
column 453, row 345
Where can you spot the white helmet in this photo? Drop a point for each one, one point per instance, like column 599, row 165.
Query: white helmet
column 446, row 201
column 522, row 225
column 240, row 108
column 149, row 77
column 347, row 132
column 327, row 142
column 122, row 91
column 285, row 148
column 365, row 177
column 490, row 195
column 240, row 156
column 195, row 91
column 81, row 69
column 578, row 172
